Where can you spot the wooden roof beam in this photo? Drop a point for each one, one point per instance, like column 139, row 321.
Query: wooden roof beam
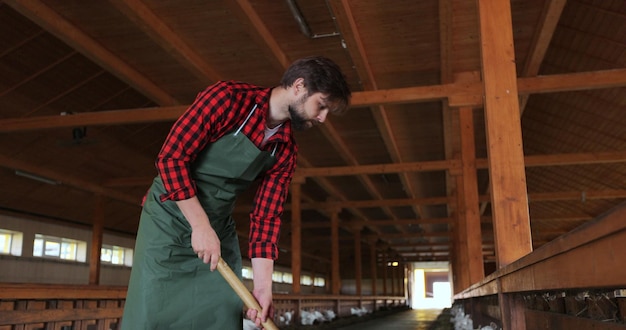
column 535, row 85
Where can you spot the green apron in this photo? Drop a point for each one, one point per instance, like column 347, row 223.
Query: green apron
column 170, row 287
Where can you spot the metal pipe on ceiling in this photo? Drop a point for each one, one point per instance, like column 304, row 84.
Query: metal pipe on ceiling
column 304, row 26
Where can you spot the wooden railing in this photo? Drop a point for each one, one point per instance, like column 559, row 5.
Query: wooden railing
column 80, row 307
column 576, row 281
column 83, row 307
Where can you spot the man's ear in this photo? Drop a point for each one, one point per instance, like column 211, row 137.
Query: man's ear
column 298, row 86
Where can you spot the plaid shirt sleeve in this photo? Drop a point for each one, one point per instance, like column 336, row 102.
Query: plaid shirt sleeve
column 199, row 125
column 265, row 219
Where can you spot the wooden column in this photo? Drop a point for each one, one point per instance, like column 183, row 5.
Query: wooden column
column 461, row 259
column 394, row 278
column 358, row 267
column 457, row 264
column 96, row 240
column 509, row 201
column 470, row 211
column 335, row 274
column 384, row 254
column 373, row 264
column 296, row 233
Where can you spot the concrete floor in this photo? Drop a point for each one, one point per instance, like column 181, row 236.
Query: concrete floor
column 406, row 320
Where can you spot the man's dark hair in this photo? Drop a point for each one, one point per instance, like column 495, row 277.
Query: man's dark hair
column 321, row 75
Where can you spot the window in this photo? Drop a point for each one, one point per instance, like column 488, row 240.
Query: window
column 287, row 278
column 59, row 248
column 116, row 255
column 246, row 272
column 306, row 280
column 10, row 242
column 277, row 277
column 319, row 281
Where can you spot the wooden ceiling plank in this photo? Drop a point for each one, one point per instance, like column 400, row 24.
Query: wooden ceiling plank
column 69, row 180
column 54, row 23
column 162, row 34
column 38, row 73
column 259, row 31
column 64, row 93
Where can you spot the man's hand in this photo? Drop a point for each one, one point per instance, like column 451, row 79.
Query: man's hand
column 204, row 240
column 206, row 244
column 262, row 270
column 267, row 307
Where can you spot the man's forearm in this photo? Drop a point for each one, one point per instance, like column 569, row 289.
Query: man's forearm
column 262, row 269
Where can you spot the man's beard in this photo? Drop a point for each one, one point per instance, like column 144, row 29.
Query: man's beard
column 298, row 122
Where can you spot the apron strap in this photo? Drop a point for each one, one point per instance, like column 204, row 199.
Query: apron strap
column 245, row 121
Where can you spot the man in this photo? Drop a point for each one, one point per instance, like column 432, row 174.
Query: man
column 231, row 135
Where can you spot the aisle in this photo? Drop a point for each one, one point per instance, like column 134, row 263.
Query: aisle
column 415, row 319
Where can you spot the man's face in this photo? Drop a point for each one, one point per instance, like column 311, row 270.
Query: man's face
column 308, row 111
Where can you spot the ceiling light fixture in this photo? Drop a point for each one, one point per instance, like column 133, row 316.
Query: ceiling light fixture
column 36, row 177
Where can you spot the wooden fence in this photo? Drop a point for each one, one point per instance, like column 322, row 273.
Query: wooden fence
column 83, row 307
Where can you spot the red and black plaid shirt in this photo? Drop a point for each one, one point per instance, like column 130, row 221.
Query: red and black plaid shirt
column 218, row 110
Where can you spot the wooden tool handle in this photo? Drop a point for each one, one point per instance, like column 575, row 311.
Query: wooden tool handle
column 243, row 293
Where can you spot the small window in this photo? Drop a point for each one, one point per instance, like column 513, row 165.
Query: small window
column 59, row 248
column 306, row 280
column 319, row 281
column 116, row 255
column 10, row 242
column 287, row 278
column 277, row 277
column 246, row 272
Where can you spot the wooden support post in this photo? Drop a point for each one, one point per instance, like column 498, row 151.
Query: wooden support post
column 335, row 273
column 373, row 263
column 384, row 253
column 509, row 200
column 296, row 233
column 401, row 277
column 394, row 277
column 96, row 240
column 462, row 279
column 469, row 195
column 358, row 270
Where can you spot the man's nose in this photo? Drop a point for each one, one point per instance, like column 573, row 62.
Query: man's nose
column 322, row 116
